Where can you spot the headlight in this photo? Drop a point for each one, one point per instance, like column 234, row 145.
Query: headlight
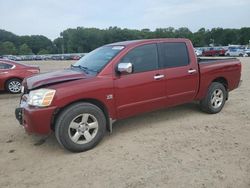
column 41, row 97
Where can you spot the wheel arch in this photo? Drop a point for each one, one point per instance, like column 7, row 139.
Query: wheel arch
column 222, row 80
column 95, row 102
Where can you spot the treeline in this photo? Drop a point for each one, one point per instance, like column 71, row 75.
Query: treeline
column 82, row 39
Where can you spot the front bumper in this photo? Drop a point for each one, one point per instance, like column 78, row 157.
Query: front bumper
column 33, row 119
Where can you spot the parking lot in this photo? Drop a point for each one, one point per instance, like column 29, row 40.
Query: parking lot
column 175, row 147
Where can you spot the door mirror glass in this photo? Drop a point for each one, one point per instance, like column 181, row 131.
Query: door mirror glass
column 125, row 68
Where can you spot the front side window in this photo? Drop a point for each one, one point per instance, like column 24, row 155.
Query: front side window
column 174, row 54
column 5, row 66
column 97, row 59
column 143, row 58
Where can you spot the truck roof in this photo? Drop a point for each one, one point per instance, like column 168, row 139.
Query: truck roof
column 136, row 42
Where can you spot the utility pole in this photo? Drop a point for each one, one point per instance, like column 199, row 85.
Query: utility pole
column 62, row 44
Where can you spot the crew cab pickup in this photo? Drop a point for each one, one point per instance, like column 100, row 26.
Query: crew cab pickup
column 120, row 80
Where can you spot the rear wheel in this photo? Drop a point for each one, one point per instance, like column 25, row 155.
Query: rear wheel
column 215, row 98
column 80, row 127
column 14, row 85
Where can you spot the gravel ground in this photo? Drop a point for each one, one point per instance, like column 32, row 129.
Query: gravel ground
column 175, row 147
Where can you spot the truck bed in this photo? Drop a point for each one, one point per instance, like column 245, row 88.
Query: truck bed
column 227, row 70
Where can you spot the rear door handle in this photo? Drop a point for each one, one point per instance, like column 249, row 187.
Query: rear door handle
column 158, row 76
column 191, row 71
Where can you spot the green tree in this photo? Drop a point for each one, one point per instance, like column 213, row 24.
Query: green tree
column 244, row 37
column 59, row 45
column 7, row 48
column 37, row 43
column 24, row 49
column 43, row 51
column 8, row 36
column 82, row 39
column 199, row 38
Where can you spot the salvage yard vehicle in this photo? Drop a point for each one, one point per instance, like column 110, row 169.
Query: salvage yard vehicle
column 198, row 52
column 12, row 74
column 247, row 52
column 235, row 52
column 214, row 51
column 121, row 80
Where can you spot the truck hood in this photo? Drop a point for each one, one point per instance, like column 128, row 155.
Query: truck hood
column 53, row 78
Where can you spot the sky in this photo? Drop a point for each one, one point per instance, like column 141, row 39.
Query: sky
column 50, row 17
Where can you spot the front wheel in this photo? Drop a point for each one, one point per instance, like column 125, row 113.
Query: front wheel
column 215, row 98
column 80, row 127
column 14, row 85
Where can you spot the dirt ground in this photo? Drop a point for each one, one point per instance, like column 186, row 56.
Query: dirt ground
column 175, row 147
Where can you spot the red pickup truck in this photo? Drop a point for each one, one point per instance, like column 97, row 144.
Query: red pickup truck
column 120, row 80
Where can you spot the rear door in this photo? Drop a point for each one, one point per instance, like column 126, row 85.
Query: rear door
column 143, row 90
column 181, row 72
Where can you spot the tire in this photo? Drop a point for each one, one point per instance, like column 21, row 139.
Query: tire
column 240, row 55
column 80, row 127
column 215, row 98
column 14, row 85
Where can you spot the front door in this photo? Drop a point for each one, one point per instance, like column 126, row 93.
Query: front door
column 143, row 90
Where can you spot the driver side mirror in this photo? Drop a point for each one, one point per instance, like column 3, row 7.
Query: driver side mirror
column 125, row 68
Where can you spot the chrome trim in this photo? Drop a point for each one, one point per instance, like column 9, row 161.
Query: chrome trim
column 14, row 66
column 125, row 67
column 157, row 77
column 190, row 71
column 22, row 89
column 4, row 72
column 111, row 121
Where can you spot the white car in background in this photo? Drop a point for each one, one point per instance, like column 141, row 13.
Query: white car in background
column 247, row 52
column 198, row 52
column 232, row 51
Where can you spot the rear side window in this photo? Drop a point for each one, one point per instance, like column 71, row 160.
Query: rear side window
column 5, row 66
column 174, row 54
column 144, row 58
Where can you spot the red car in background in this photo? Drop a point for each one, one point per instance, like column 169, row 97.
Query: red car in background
column 12, row 74
column 214, row 51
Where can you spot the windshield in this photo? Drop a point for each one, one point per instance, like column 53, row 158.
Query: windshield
column 96, row 60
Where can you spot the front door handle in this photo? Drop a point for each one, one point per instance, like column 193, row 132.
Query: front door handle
column 158, row 76
column 191, row 71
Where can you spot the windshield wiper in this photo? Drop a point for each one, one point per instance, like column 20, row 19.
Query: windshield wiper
column 80, row 67
column 86, row 69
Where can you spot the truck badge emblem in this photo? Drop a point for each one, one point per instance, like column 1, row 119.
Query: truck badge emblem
column 109, row 96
